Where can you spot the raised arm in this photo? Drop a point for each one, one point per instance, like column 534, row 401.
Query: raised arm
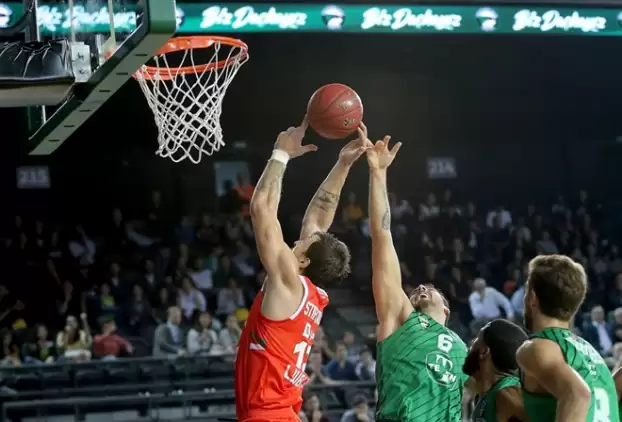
column 392, row 304
column 321, row 210
column 543, row 361
column 276, row 257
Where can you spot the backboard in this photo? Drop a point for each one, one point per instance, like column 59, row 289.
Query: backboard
column 110, row 40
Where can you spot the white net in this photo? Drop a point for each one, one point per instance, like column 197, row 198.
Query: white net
column 187, row 106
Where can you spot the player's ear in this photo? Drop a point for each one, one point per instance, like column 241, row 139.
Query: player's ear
column 446, row 310
column 485, row 351
column 303, row 262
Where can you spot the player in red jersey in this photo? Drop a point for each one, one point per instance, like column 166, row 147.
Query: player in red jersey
column 278, row 335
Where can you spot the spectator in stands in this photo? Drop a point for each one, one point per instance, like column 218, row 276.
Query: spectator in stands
column 546, row 245
column 74, row 343
column 429, row 209
column 340, row 368
column 70, row 303
column 138, row 311
column 504, row 218
column 458, row 292
column 201, row 338
column 11, row 351
column 518, row 303
column 189, row 298
column 312, row 408
column 118, row 283
column 229, row 299
column 168, row 338
column 349, row 339
column 230, row 335
column 366, row 366
column 598, row 332
column 316, row 370
column 237, row 227
column 245, row 191
column 201, row 275
column 109, row 345
column 40, row 348
column 245, row 260
column 320, row 343
column 162, row 304
column 148, row 278
column 81, row 246
column 106, row 302
column 617, row 326
column 359, row 412
column 486, row 303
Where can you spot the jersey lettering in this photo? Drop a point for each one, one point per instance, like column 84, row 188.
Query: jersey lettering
column 445, row 343
column 313, row 312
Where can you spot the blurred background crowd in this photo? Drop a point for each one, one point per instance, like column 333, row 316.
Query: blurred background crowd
column 179, row 287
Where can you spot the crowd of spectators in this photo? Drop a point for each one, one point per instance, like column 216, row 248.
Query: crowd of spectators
column 140, row 287
column 163, row 286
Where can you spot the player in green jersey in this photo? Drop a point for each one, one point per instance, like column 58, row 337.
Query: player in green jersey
column 491, row 364
column 419, row 360
column 564, row 379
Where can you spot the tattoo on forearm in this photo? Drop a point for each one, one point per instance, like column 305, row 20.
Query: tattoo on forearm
column 325, row 200
column 271, row 179
column 386, row 217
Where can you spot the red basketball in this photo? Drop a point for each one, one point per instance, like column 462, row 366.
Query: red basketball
column 335, row 111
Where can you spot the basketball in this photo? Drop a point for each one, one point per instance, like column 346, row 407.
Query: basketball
column 335, row 111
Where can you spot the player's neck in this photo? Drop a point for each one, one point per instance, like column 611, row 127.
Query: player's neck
column 543, row 322
column 439, row 317
column 487, row 381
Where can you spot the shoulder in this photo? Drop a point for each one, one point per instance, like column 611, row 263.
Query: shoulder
column 509, row 396
column 537, row 353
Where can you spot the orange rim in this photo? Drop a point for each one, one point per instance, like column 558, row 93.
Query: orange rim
column 191, row 43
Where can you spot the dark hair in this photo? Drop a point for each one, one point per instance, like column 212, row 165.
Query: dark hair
column 503, row 338
column 559, row 283
column 329, row 259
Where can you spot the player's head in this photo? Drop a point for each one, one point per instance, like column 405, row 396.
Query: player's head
column 555, row 288
column 323, row 258
column 494, row 349
column 426, row 299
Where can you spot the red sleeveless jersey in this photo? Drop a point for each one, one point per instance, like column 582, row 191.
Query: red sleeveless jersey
column 272, row 355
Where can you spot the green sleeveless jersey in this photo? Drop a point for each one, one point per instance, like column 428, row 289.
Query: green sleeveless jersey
column 419, row 373
column 588, row 363
column 486, row 407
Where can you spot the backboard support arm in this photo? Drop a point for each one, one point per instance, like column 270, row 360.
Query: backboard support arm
column 157, row 27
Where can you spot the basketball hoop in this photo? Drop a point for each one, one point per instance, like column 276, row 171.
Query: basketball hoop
column 186, row 98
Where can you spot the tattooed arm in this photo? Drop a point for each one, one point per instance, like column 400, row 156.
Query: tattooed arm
column 321, row 210
column 392, row 304
column 277, row 258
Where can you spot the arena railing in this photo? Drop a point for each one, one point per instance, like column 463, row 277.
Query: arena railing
column 129, row 361
column 146, row 404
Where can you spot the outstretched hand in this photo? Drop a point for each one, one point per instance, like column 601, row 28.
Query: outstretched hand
column 290, row 141
column 355, row 148
column 380, row 157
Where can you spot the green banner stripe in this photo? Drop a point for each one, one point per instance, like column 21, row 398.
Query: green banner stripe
column 240, row 18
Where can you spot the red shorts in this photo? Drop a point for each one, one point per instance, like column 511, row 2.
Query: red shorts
column 269, row 419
